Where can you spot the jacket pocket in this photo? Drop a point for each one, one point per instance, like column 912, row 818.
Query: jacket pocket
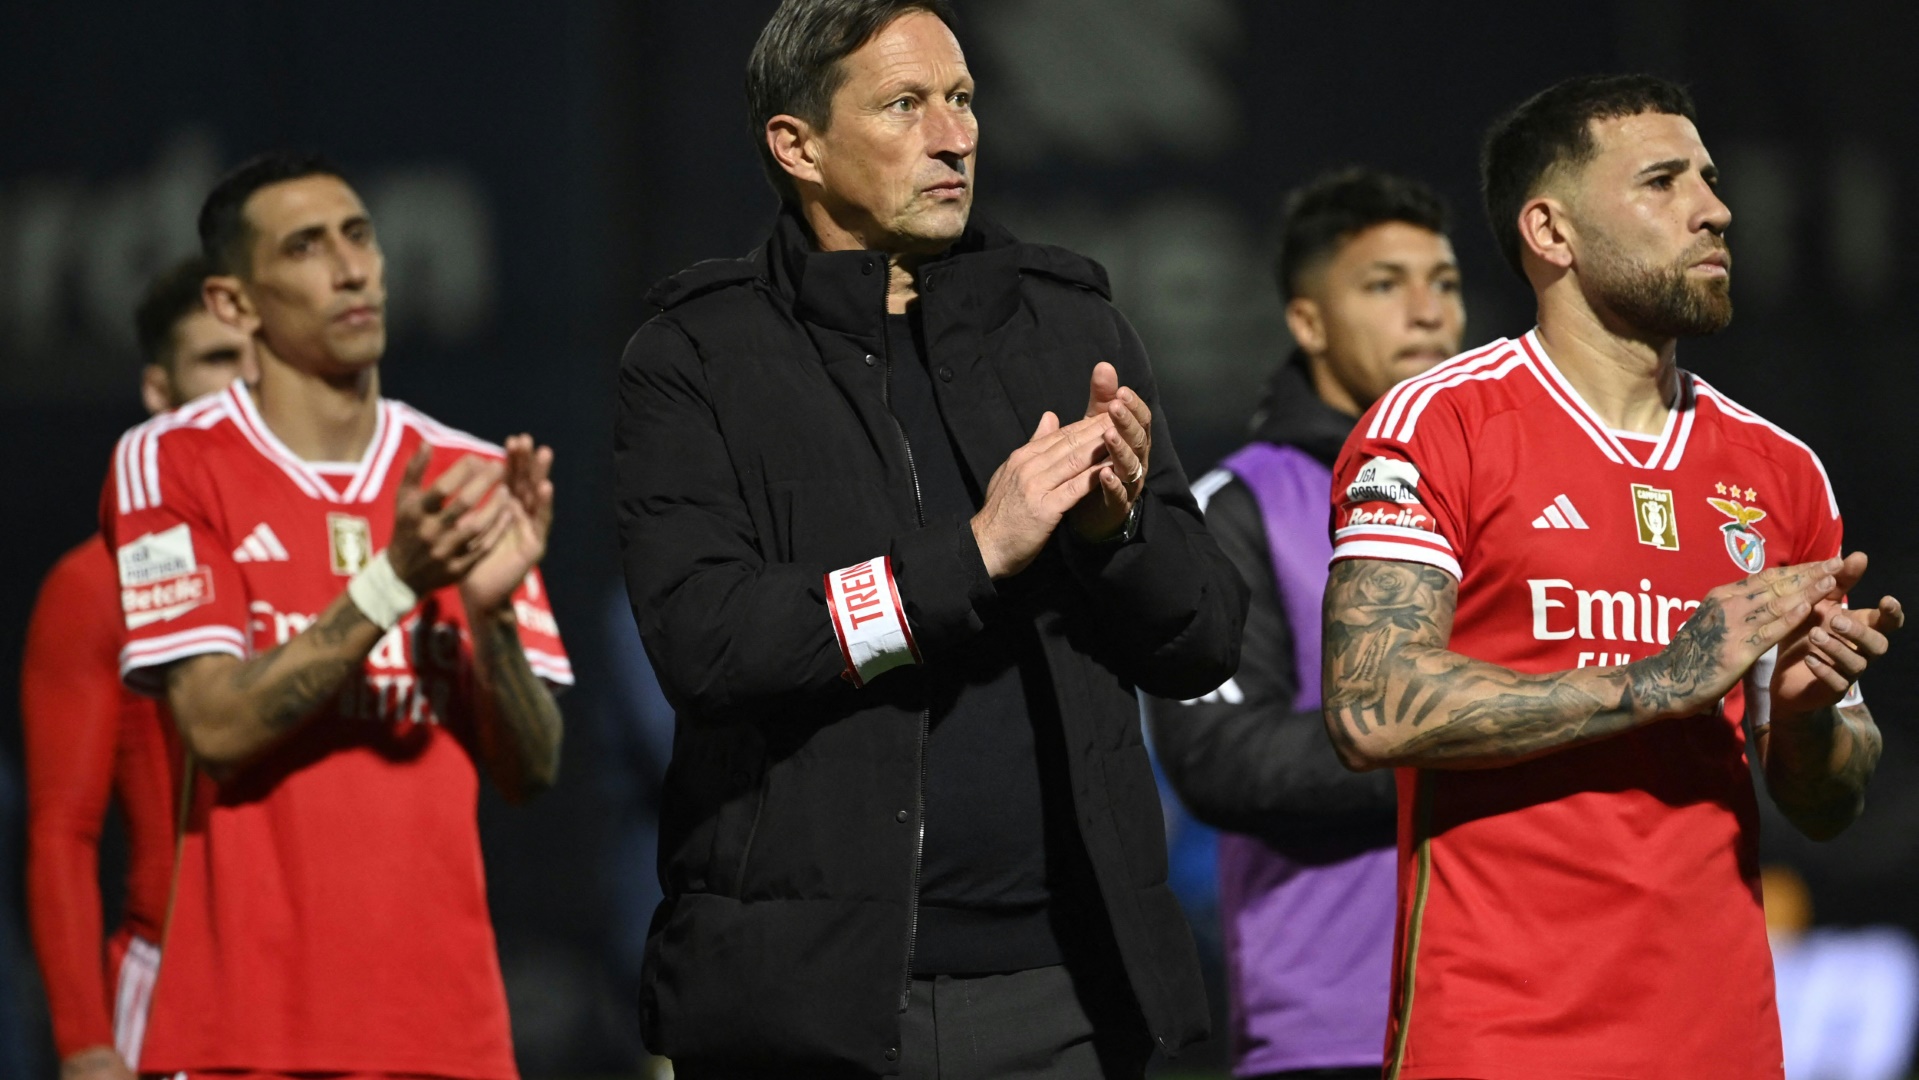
column 737, row 820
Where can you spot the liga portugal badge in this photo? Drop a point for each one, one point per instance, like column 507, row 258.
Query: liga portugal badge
column 1743, row 542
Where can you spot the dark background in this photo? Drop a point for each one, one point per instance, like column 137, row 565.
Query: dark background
column 533, row 168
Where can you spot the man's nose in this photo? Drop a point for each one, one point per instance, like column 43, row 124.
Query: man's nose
column 351, row 266
column 1714, row 215
column 1428, row 306
column 955, row 132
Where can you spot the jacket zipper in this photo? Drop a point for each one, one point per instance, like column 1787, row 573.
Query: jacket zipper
column 926, row 716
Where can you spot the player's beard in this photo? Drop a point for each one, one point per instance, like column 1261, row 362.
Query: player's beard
column 1661, row 301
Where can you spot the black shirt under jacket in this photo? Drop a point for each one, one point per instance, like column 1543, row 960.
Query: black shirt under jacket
column 754, row 452
column 998, row 812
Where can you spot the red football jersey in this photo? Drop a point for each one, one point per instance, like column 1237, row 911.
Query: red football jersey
column 331, row 913
column 89, row 739
column 1594, row 913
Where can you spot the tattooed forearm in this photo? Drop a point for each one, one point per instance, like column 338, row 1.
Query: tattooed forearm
column 231, row 710
column 520, row 727
column 1818, row 766
column 1396, row 696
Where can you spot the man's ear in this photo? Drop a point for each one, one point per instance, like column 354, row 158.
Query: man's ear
column 794, row 146
column 227, row 299
column 1307, row 325
column 156, row 389
column 1545, row 230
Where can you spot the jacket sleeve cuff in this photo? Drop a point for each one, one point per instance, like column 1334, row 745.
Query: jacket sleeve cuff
column 943, row 583
column 1143, row 574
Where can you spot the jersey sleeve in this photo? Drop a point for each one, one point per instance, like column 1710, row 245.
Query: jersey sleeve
column 180, row 593
column 1825, row 532
column 1824, row 529
column 70, row 700
column 1399, row 485
column 540, row 632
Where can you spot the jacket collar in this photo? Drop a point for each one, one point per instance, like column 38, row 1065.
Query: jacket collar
column 1292, row 414
column 845, row 291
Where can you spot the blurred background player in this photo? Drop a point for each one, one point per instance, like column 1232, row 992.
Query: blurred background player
column 1528, row 616
column 1372, row 294
column 88, row 738
column 337, row 598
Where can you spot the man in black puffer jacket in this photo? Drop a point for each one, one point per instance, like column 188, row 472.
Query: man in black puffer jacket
column 902, row 610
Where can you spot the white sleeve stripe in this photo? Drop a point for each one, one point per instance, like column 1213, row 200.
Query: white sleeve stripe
column 556, row 676
column 1392, row 532
column 136, row 460
column 130, row 663
column 1395, row 397
column 1366, row 549
column 134, row 483
column 1387, row 418
column 1426, row 396
column 150, row 467
column 166, row 641
column 122, row 494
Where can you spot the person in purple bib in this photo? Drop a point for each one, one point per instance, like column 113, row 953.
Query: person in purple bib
column 1306, row 858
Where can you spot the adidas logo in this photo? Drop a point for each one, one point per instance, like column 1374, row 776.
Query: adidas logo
column 260, row 546
column 1560, row 515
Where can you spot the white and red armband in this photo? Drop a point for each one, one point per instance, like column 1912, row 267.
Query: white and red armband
column 869, row 620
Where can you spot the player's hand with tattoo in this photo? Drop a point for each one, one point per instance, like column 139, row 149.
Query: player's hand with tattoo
column 1102, row 513
column 518, row 544
column 1733, row 627
column 443, row 531
column 1035, row 487
column 1820, row 663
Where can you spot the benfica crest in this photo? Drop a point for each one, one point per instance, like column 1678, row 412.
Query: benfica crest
column 1743, row 542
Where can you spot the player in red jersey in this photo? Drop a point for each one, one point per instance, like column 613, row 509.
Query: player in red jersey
column 1528, row 617
column 89, row 740
column 338, row 599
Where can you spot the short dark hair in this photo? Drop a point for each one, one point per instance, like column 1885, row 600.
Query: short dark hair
column 169, row 298
column 224, row 232
column 1553, row 128
column 795, row 66
column 1333, row 207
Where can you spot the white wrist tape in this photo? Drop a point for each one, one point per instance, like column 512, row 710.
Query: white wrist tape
column 869, row 620
column 380, row 594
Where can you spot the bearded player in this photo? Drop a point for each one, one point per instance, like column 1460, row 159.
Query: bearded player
column 337, row 599
column 1528, row 617
column 90, row 741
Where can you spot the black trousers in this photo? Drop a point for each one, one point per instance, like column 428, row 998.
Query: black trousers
column 1027, row 1025
column 1042, row 1024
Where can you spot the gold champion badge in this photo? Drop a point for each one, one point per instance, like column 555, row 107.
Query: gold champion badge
column 1653, row 512
column 350, row 541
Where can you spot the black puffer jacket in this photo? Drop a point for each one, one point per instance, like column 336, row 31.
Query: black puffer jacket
column 754, row 453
